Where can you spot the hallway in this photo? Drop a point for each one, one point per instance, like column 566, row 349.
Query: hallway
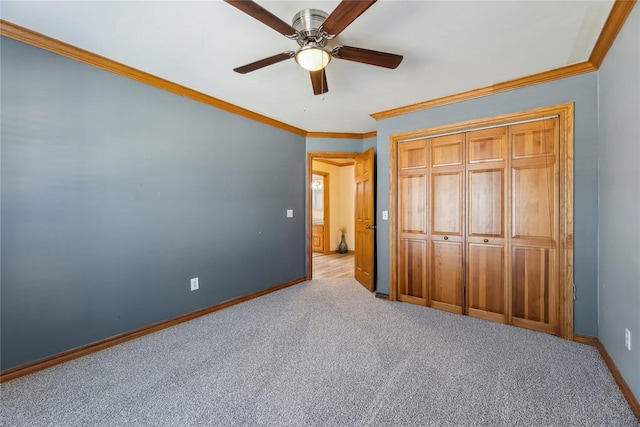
column 332, row 266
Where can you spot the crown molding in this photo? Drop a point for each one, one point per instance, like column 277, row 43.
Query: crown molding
column 341, row 135
column 617, row 17
column 533, row 79
column 50, row 44
column 371, row 134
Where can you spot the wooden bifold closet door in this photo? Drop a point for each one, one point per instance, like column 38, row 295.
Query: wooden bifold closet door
column 486, row 257
column 478, row 218
column 534, row 227
column 446, row 179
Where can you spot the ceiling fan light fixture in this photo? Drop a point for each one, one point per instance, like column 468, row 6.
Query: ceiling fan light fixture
column 312, row 58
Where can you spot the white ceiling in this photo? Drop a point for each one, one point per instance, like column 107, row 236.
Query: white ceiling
column 448, row 47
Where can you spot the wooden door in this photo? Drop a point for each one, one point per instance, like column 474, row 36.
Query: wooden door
column 317, row 238
column 446, row 228
column 486, row 290
column 413, row 167
column 365, row 220
column 482, row 220
column 534, row 225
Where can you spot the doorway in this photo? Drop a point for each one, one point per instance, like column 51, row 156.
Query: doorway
column 332, row 217
column 320, row 212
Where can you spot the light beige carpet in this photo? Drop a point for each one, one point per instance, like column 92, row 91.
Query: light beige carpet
column 326, row 353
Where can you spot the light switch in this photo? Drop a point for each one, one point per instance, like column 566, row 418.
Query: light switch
column 289, row 213
column 385, row 215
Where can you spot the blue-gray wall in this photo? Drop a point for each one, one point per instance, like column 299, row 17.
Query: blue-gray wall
column 115, row 194
column 619, row 206
column 582, row 90
column 370, row 142
column 334, row 144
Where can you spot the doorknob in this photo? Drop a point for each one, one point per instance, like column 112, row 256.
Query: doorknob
column 369, row 227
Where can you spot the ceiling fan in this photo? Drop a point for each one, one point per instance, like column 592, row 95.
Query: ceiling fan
column 312, row 29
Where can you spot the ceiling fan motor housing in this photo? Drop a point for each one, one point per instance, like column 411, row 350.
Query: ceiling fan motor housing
column 307, row 22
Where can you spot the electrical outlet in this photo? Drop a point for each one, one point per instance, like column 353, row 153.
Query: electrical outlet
column 627, row 338
column 195, row 284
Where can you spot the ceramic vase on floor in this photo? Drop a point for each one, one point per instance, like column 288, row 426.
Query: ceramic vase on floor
column 342, row 247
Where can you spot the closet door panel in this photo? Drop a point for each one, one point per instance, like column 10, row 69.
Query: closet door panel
column 446, row 276
column 534, row 225
column 412, row 271
column 535, row 139
column 533, row 197
column 486, row 263
column 413, row 196
column 486, row 203
column 534, row 290
column 486, row 281
column 413, row 204
column 412, row 155
column 487, row 145
column 447, row 150
column 446, row 251
column 486, row 266
column 446, row 203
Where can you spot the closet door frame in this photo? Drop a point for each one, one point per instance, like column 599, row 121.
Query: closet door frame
column 565, row 113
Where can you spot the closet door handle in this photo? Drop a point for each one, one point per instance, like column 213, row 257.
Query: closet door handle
column 486, row 240
column 446, row 237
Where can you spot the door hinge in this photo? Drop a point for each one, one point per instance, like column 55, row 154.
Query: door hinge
column 574, row 291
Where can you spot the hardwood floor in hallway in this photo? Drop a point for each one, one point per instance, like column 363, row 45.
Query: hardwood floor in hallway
column 333, row 266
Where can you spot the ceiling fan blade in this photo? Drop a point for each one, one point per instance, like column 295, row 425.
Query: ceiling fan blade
column 319, row 82
column 256, row 11
column 263, row 63
column 366, row 56
column 343, row 15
